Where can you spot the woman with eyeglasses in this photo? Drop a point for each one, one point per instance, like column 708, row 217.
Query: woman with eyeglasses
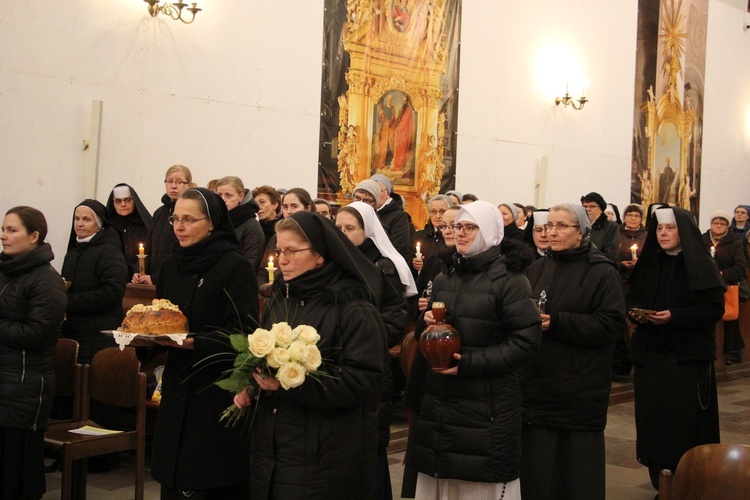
column 319, row 440
column 566, row 386
column 466, row 435
column 360, row 224
column 161, row 238
column 32, row 305
column 242, row 210
column 430, row 238
column 130, row 217
column 208, row 278
column 97, row 272
column 676, row 296
column 535, row 234
column 739, row 224
column 292, row 201
column 632, row 232
column 727, row 251
column 439, row 261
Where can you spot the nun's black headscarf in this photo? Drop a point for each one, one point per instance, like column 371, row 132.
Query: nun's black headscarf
column 98, row 209
column 222, row 238
column 139, row 208
column 334, row 246
column 701, row 268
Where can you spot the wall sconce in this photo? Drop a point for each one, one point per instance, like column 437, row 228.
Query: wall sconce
column 173, row 10
column 566, row 100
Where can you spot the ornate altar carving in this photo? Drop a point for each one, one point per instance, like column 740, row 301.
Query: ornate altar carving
column 669, row 124
column 390, row 120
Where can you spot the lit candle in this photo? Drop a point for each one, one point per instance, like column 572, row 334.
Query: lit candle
column 270, row 269
column 419, row 253
column 633, row 253
column 141, row 250
column 713, row 252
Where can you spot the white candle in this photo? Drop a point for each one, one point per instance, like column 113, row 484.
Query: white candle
column 419, row 247
column 713, row 252
column 270, row 269
column 633, row 250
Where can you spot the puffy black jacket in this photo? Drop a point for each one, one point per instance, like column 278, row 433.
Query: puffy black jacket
column 98, row 275
column 32, row 305
column 605, row 235
column 567, row 385
column 469, row 426
column 319, row 440
column 249, row 232
column 397, row 223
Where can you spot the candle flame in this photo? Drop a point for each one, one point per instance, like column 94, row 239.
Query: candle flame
column 634, row 247
column 270, row 259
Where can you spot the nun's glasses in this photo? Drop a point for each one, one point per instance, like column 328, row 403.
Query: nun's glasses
column 186, row 221
column 289, row 254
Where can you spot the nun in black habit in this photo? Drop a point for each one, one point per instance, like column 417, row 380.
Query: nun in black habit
column 319, row 440
column 129, row 216
column 675, row 298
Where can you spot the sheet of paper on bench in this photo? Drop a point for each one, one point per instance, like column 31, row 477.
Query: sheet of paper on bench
column 93, row 431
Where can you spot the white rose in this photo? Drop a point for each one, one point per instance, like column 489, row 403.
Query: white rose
column 277, row 357
column 313, row 359
column 291, row 375
column 284, row 334
column 299, row 351
column 261, row 342
column 307, row 334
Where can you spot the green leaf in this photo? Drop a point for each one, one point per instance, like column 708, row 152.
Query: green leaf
column 231, row 384
column 239, row 343
column 241, row 359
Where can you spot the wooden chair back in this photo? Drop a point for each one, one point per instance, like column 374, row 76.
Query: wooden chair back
column 114, row 378
column 68, row 374
column 709, row 471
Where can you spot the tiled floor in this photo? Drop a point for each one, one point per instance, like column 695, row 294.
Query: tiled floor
column 626, row 479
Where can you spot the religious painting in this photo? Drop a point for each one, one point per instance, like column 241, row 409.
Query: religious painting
column 668, row 111
column 389, row 100
column 394, row 137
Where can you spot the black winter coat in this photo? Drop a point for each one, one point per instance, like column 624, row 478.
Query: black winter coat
column 566, row 386
column 469, row 426
column 605, row 235
column 397, row 224
column 98, row 275
column 32, row 305
column 730, row 257
column 318, row 440
column 192, row 450
column 248, row 231
column 160, row 238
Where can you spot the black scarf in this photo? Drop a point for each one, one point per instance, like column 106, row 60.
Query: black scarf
column 201, row 256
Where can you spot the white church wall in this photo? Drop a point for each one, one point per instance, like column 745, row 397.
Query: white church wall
column 238, row 92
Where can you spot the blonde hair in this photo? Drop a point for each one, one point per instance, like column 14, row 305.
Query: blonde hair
column 182, row 169
column 233, row 181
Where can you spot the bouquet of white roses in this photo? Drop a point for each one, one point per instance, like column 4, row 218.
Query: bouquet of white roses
column 289, row 354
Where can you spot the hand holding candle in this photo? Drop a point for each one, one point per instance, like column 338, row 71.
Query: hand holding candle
column 633, row 252
column 419, row 253
column 270, row 269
